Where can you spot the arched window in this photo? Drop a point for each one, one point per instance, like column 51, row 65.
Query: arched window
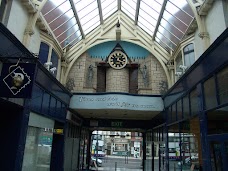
column 54, row 60
column 43, row 54
column 179, row 62
column 189, row 55
column 44, row 57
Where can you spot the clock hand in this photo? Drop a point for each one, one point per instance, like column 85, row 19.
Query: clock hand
column 118, row 59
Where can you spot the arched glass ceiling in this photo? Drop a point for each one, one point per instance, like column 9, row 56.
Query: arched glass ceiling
column 166, row 21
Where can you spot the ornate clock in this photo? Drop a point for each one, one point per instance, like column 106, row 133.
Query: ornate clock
column 117, row 60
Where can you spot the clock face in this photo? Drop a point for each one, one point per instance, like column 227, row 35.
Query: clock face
column 117, row 60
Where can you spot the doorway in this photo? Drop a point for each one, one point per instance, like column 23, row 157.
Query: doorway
column 219, row 152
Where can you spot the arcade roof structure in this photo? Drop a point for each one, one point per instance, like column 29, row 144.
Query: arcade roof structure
column 165, row 21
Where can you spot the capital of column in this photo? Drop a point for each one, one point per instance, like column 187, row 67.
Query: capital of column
column 204, row 35
column 170, row 65
column 29, row 32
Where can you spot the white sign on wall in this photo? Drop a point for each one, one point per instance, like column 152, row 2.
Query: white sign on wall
column 117, row 101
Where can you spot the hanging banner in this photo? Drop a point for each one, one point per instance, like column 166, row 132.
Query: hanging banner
column 16, row 80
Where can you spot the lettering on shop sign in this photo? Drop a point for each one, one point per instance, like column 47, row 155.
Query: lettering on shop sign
column 113, row 101
column 116, row 124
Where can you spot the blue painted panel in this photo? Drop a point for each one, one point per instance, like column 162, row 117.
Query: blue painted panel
column 58, row 108
column 103, row 50
column 45, row 104
column 52, row 108
column 63, row 111
column 50, row 84
column 37, row 98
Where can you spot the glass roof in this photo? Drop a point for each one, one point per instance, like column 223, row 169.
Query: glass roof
column 166, row 21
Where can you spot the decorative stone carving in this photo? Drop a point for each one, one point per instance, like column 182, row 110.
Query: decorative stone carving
column 70, row 84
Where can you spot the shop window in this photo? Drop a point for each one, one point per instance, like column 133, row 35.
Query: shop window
column 169, row 114
column 174, row 114
column 217, row 121
column 210, row 93
column 173, row 144
column 186, row 110
column 194, row 102
column 179, row 110
column 190, row 144
column 222, row 78
column 121, row 147
column 37, row 155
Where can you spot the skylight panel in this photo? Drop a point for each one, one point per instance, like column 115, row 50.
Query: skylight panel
column 64, row 27
column 67, row 40
column 143, row 23
column 183, row 5
column 168, row 34
column 166, row 47
column 60, row 17
column 174, row 23
column 148, row 15
column 178, row 14
column 88, row 14
column 58, row 11
column 108, row 7
column 59, row 20
column 129, row 7
column 172, row 28
column 50, row 5
column 166, row 40
column 75, row 41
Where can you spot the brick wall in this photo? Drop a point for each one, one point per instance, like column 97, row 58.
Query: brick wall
column 117, row 80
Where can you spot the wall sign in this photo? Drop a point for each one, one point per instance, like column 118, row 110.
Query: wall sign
column 16, row 80
column 116, row 101
column 117, row 124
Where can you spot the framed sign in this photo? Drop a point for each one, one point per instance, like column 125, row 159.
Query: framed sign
column 16, row 80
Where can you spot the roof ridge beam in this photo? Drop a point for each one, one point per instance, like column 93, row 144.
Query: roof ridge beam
column 119, row 4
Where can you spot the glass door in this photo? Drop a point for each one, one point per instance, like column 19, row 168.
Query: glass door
column 219, row 153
